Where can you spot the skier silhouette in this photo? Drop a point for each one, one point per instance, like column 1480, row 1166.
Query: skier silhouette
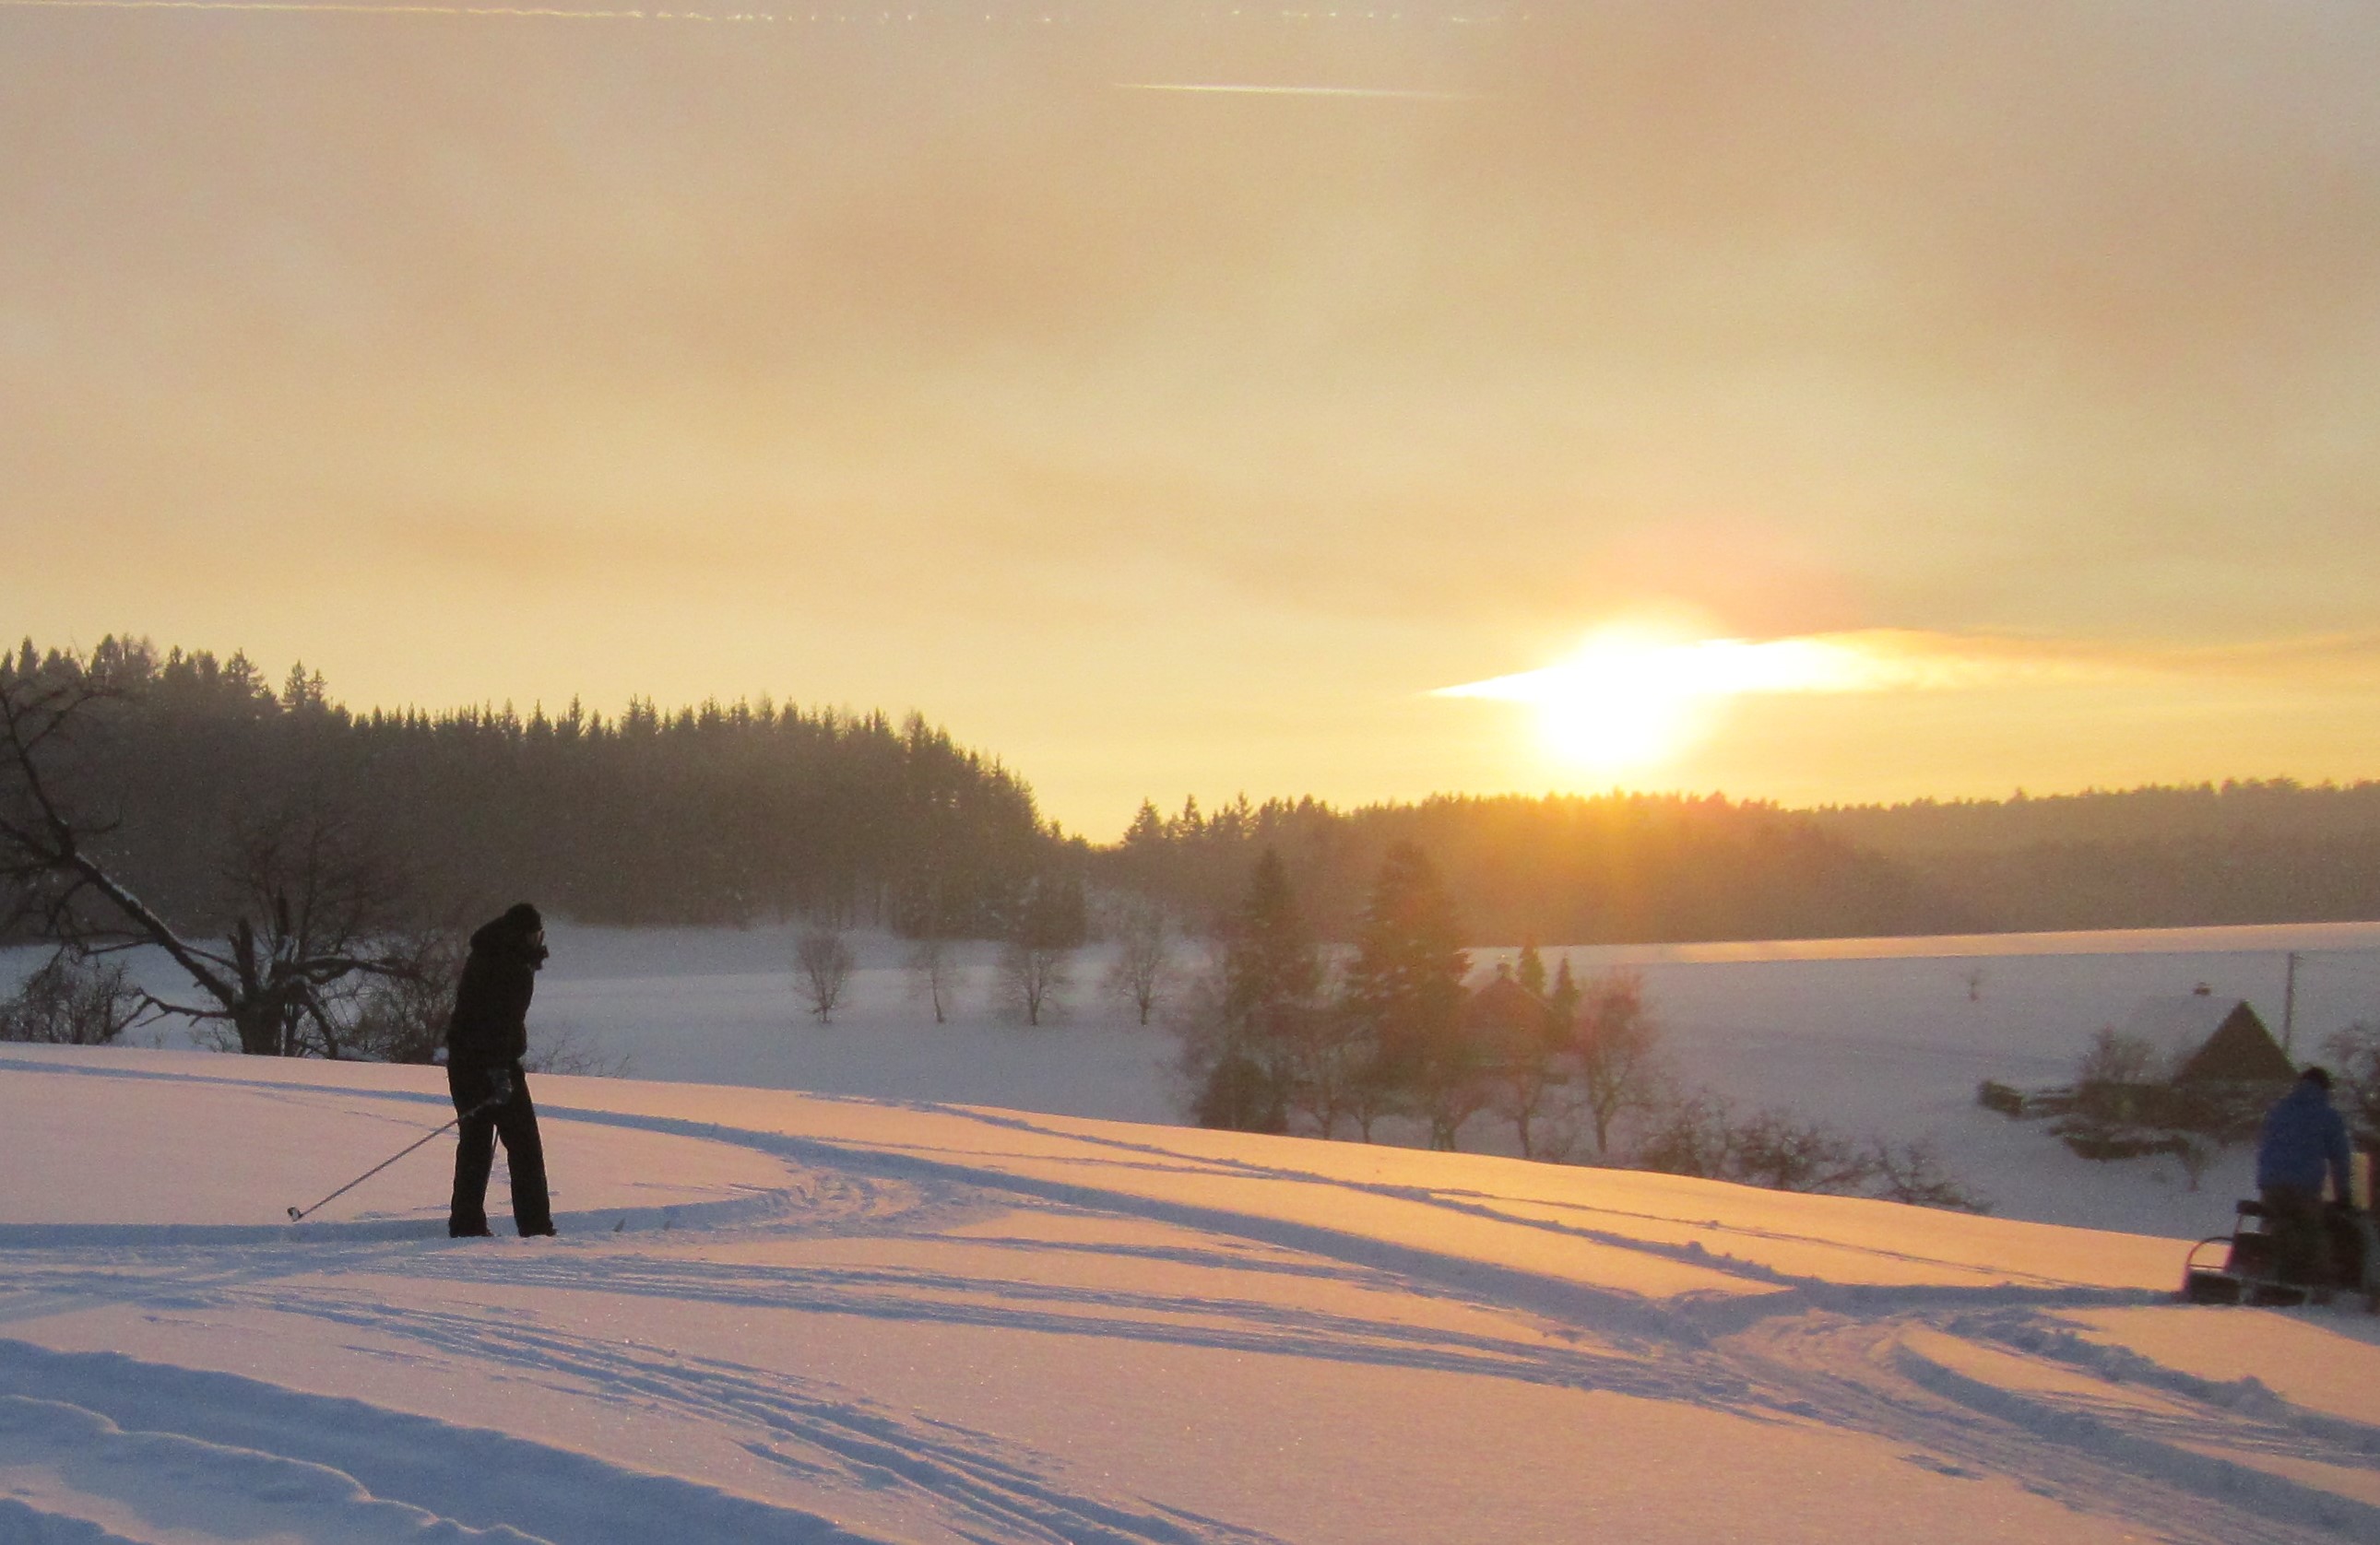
column 485, row 1042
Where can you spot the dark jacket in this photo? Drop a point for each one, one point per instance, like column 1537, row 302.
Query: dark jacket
column 489, row 1027
column 2302, row 1137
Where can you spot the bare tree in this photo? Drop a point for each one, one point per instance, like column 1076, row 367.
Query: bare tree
column 1372, row 1089
column 937, row 973
column 403, row 1017
column 1144, row 968
column 316, row 905
column 1615, row 1046
column 2354, row 1055
column 1036, row 959
column 1034, row 976
column 1528, row 1085
column 2115, row 1059
column 71, row 1001
column 1327, row 1056
column 826, row 963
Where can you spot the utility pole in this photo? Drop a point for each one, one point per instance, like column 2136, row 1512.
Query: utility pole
column 2289, row 1003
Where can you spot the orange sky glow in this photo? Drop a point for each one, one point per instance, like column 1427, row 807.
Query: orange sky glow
column 1811, row 402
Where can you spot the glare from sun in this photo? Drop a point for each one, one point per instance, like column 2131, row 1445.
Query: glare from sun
column 1633, row 697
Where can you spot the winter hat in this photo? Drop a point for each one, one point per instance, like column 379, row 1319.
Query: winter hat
column 523, row 918
column 2318, row 1077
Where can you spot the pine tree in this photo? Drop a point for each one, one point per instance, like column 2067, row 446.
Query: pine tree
column 1269, row 958
column 1147, row 828
column 1271, row 975
column 1561, row 1005
column 1405, row 987
column 1531, row 970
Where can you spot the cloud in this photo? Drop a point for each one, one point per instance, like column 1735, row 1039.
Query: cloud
column 1635, row 660
column 2029, row 327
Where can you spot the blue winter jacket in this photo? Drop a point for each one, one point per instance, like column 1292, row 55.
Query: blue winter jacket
column 2302, row 1137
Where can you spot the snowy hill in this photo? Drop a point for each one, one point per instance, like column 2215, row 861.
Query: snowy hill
column 782, row 1317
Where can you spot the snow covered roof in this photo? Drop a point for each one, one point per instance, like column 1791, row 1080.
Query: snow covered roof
column 2179, row 1026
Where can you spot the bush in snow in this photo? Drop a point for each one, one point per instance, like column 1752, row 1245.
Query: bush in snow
column 1704, row 1134
column 557, row 1047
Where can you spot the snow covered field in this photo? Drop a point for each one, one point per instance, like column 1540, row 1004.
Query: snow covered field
column 775, row 1316
column 1882, row 1037
column 1875, row 1036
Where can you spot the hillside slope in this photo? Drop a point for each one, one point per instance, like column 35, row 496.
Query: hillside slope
column 773, row 1316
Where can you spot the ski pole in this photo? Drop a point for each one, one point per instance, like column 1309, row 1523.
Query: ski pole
column 297, row 1214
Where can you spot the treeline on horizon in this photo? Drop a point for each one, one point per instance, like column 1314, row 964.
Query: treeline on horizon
column 720, row 813
column 743, row 813
column 1627, row 868
column 2161, row 856
column 1566, row 869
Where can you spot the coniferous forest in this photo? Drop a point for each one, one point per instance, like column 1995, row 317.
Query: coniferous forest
column 185, row 769
column 1636, row 868
column 1608, row 868
column 186, row 765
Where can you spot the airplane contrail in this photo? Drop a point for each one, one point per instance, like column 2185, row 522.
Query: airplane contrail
column 1233, row 89
column 414, row 8
column 354, row 8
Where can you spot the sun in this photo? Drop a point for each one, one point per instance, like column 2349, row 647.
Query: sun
column 1625, row 702
column 1634, row 697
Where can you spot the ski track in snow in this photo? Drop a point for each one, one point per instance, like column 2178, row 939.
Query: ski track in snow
column 103, row 1447
column 354, row 1460
column 178, row 1482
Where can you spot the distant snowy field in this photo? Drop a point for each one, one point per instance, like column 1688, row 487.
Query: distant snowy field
column 1875, row 1036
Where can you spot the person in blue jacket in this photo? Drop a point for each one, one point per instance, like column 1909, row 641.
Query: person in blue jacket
column 2302, row 1141
column 486, row 1040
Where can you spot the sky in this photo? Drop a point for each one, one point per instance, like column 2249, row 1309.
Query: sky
column 1174, row 398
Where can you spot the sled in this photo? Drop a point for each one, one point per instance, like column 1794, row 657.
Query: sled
column 2250, row 1269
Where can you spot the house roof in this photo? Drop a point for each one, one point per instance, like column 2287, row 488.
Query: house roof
column 2201, row 1037
column 1504, row 1004
column 1506, row 1021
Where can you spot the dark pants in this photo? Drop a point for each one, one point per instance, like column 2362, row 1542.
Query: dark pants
column 2301, row 1238
column 515, row 1121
